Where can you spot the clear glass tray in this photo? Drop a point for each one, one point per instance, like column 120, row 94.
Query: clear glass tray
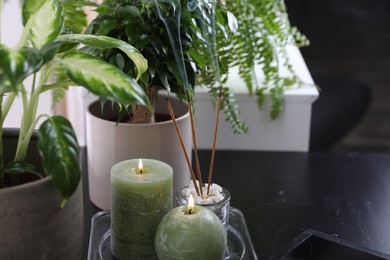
column 239, row 242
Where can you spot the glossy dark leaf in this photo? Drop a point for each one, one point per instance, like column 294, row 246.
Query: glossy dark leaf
column 59, row 149
column 17, row 64
column 21, row 167
column 164, row 81
column 132, row 10
column 145, row 79
column 49, row 50
column 198, row 58
column 120, row 61
column 20, row 172
column 102, row 9
column 106, row 26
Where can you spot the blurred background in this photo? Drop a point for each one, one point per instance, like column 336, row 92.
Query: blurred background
column 349, row 58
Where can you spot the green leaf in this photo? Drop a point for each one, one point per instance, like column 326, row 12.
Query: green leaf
column 260, row 93
column 106, row 26
column 17, row 64
column 230, row 109
column 277, row 97
column 47, row 20
column 131, row 9
column 19, row 167
column 103, row 79
column 164, row 81
column 5, row 85
column 197, row 56
column 74, row 16
column 104, row 42
column 58, row 83
column 58, row 46
column 59, row 150
column 103, row 9
column 49, row 50
column 29, row 8
column 232, row 22
column 58, row 95
column 19, row 171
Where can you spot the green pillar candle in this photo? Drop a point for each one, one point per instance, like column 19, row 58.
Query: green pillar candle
column 140, row 197
column 198, row 235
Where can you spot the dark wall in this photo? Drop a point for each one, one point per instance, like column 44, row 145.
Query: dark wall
column 343, row 29
column 349, row 51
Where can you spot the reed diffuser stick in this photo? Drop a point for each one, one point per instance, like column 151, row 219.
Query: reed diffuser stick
column 170, row 109
column 215, row 141
column 198, row 172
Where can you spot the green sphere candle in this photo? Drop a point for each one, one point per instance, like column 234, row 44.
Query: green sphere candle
column 190, row 234
column 141, row 194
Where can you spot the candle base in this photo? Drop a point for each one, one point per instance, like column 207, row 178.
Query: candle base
column 134, row 250
column 239, row 242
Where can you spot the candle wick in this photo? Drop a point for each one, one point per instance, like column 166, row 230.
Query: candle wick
column 189, row 211
column 140, row 171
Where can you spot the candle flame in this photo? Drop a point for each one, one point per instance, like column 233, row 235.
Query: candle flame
column 140, row 166
column 190, row 203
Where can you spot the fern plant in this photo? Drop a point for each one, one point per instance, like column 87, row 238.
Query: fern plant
column 188, row 42
column 263, row 32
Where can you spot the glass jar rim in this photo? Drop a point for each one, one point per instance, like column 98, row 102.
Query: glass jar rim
column 225, row 193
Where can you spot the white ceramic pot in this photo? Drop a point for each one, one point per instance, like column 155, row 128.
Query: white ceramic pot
column 32, row 223
column 109, row 143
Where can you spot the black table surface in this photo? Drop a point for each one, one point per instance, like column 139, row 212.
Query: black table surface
column 282, row 194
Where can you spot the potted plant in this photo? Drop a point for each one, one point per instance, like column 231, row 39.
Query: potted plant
column 139, row 135
column 186, row 43
column 264, row 69
column 40, row 218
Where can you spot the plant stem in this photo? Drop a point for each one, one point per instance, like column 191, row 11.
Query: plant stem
column 4, row 109
column 28, row 122
column 6, row 106
column 142, row 114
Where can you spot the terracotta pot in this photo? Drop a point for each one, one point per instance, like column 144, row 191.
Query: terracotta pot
column 32, row 224
column 109, row 143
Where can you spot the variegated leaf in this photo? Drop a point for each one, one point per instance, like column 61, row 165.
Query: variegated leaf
column 46, row 19
column 17, row 64
column 102, row 78
column 104, row 42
